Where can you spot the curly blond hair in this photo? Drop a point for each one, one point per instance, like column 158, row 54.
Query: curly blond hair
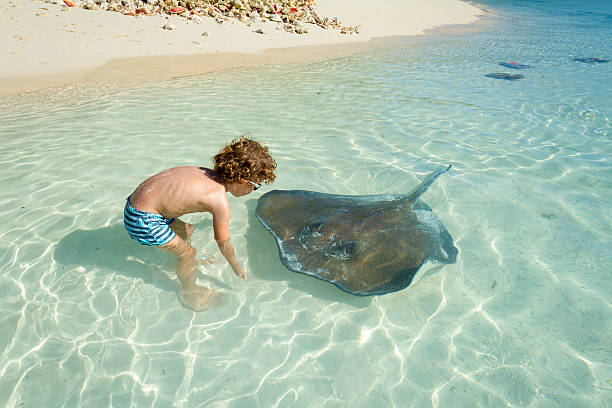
column 245, row 159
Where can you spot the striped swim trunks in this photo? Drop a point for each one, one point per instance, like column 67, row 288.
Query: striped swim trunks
column 145, row 227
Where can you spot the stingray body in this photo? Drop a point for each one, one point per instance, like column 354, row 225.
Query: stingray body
column 365, row 245
column 504, row 75
column 591, row 60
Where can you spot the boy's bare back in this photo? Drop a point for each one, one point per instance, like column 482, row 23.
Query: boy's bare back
column 179, row 191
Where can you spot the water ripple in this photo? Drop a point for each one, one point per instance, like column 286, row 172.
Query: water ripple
column 522, row 319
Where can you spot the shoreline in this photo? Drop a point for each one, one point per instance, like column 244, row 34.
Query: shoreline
column 145, row 70
column 126, row 50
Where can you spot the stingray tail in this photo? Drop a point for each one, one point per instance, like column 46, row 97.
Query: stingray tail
column 421, row 188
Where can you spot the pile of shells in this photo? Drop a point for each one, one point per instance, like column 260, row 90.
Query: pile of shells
column 291, row 15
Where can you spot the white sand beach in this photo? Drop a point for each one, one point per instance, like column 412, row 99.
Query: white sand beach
column 49, row 45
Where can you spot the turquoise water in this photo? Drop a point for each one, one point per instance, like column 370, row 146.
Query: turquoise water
column 524, row 318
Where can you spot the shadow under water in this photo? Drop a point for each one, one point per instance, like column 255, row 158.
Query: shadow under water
column 110, row 250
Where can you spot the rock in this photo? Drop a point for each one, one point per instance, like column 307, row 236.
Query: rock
column 90, row 5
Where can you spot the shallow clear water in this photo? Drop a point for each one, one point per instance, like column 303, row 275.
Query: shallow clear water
column 523, row 319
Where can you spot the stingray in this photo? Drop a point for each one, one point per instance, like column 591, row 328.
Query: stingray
column 365, row 245
column 591, row 60
column 504, row 75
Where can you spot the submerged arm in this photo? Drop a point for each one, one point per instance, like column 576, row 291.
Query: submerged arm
column 222, row 235
column 228, row 252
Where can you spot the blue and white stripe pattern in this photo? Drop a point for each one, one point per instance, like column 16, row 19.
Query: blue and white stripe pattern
column 145, row 227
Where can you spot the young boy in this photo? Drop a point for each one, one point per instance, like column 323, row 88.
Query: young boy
column 151, row 211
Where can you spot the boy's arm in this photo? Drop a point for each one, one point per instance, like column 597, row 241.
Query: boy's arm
column 228, row 252
column 221, row 217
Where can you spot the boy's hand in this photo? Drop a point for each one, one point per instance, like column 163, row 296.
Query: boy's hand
column 240, row 272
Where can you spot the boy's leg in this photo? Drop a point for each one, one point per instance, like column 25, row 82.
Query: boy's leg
column 191, row 295
column 185, row 230
column 182, row 229
column 185, row 266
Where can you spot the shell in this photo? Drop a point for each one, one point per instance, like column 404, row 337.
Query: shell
column 291, row 14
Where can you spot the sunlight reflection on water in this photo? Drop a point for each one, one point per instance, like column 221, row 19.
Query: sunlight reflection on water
column 523, row 318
